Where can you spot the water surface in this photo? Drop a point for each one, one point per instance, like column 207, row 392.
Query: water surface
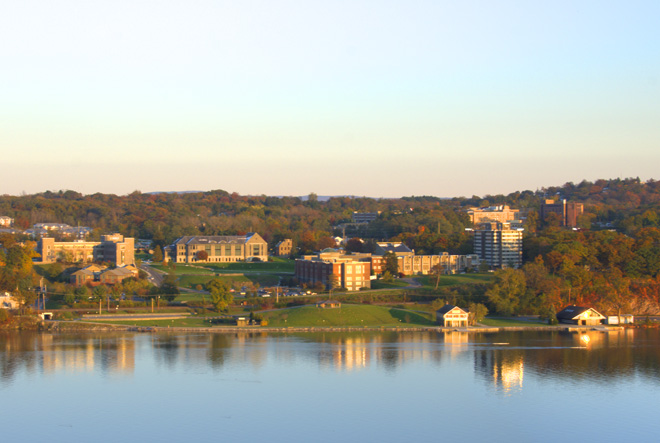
column 522, row 386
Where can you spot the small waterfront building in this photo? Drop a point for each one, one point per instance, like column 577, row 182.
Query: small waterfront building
column 580, row 315
column 451, row 316
column 7, row 301
column 328, row 304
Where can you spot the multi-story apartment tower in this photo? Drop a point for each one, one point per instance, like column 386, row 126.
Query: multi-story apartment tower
column 498, row 244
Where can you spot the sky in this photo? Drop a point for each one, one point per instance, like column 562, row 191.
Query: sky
column 373, row 98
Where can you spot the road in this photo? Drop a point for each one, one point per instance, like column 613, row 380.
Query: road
column 154, row 276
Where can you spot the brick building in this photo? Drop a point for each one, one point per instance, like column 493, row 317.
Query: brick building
column 335, row 269
column 568, row 212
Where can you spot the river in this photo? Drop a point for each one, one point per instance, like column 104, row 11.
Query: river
column 386, row 386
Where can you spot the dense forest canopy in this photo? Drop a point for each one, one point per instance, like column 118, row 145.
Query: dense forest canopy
column 428, row 224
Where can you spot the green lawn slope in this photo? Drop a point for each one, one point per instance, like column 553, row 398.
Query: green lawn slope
column 346, row 316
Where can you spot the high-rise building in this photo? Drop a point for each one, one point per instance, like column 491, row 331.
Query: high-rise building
column 498, row 244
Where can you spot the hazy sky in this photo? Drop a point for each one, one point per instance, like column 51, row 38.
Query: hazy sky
column 372, row 97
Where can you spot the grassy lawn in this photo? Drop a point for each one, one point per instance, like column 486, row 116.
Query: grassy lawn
column 190, row 322
column 276, row 266
column 380, row 284
column 503, row 322
column 456, row 279
column 184, row 269
column 347, row 315
column 191, row 281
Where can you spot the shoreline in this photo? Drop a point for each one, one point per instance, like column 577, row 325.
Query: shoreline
column 82, row 326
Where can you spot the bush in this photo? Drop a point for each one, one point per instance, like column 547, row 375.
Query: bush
column 4, row 316
column 65, row 315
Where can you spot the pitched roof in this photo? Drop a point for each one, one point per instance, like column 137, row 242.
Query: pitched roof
column 446, row 308
column 214, row 239
column 395, row 247
column 571, row 312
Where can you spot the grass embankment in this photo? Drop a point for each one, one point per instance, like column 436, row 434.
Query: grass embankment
column 380, row 284
column 346, row 316
column 305, row 316
column 189, row 322
column 261, row 273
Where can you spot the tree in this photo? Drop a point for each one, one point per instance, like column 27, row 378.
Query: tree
column 477, row 312
column 16, row 273
column 617, row 291
column 158, row 254
column 220, row 294
column 202, row 255
column 169, row 287
column 508, row 288
column 354, row 245
column 436, row 272
column 391, row 263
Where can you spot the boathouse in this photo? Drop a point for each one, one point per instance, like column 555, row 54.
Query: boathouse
column 580, row 315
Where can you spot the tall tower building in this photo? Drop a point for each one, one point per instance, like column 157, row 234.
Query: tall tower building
column 498, row 244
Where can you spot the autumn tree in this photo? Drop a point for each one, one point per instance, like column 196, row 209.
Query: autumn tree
column 220, row 294
column 507, row 290
column 16, row 273
column 476, row 312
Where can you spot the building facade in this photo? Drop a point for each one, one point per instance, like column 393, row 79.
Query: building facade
column 568, row 212
column 217, row 249
column 449, row 264
column 352, row 272
column 411, row 264
column 364, row 217
column 6, row 222
column 501, row 213
column 451, row 316
column 284, row 248
column 498, row 244
column 113, row 248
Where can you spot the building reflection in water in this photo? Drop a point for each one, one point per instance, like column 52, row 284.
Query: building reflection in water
column 505, row 369
column 546, row 354
column 110, row 354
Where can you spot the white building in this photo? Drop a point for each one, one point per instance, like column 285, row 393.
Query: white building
column 498, row 244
